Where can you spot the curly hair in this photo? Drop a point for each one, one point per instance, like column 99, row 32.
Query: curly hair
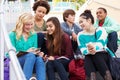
column 42, row 3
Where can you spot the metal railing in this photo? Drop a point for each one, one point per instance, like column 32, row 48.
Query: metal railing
column 1, row 51
column 82, row 8
column 15, row 68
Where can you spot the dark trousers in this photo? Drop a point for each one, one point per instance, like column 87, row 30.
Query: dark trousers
column 98, row 62
column 112, row 41
column 41, row 42
column 58, row 66
column 74, row 45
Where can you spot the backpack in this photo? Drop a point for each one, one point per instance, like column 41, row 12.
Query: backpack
column 6, row 68
column 115, row 67
column 76, row 69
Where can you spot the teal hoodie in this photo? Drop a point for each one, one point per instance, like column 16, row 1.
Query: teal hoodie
column 110, row 25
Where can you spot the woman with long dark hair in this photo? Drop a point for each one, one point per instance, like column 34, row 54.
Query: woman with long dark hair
column 59, row 50
column 92, row 43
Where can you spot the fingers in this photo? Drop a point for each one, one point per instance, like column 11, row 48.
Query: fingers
column 41, row 54
column 93, row 51
column 51, row 58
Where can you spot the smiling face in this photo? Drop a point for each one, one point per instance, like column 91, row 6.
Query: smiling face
column 101, row 14
column 50, row 27
column 40, row 12
column 27, row 27
column 84, row 23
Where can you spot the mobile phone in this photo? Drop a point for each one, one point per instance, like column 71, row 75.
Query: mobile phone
column 37, row 49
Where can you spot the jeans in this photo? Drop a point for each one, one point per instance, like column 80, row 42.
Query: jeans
column 112, row 41
column 57, row 66
column 28, row 62
column 40, row 69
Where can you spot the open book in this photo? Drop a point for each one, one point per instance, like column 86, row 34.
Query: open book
column 21, row 53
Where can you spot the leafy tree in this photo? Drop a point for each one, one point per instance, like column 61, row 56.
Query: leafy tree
column 80, row 1
column 77, row 3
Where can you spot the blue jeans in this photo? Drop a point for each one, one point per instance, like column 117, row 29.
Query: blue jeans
column 40, row 69
column 57, row 66
column 112, row 41
column 28, row 62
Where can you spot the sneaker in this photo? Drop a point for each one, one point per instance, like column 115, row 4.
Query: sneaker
column 33, row 78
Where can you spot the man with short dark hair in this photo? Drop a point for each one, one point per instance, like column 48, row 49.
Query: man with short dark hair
column 70, row 27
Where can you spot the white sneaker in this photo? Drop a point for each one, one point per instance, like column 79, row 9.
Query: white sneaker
column 33, row 78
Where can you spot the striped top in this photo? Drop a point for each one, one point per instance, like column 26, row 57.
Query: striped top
column 98, row 38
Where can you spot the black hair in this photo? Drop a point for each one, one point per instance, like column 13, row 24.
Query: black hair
column 87, row 15
column 103, row 9
column 42, row 3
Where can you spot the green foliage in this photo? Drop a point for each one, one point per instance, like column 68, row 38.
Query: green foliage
column 80, row 1
column 77, row 3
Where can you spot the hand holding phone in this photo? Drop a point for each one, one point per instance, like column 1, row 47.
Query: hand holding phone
column 30, row 49
column 91, row 48
column 37, row 49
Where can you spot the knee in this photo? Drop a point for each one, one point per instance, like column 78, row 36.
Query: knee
column 49, row 65
column 114, row 33
column 30, row 56
column 39, row 60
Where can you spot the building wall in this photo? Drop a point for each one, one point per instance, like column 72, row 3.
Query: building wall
column 112, row 6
